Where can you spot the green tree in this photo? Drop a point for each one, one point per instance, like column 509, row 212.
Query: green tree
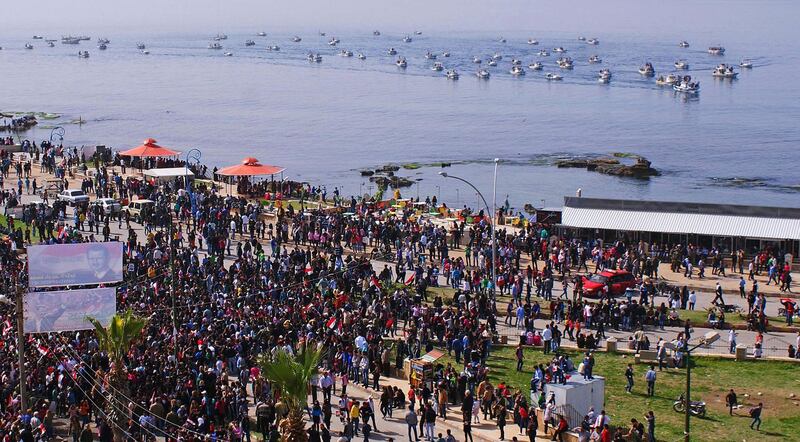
column 115, row 340
column 290, row 375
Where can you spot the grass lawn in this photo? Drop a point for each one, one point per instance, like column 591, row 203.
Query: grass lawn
column 711, row 379
column 18, row 224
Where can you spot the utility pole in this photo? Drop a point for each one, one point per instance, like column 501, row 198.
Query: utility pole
column 23, row 394
column 172, row 283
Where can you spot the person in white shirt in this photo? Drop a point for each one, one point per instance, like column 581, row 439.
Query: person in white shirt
column 692, row 300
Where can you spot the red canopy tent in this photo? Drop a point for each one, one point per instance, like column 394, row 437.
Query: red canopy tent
column 150, row 150
column 250, row 167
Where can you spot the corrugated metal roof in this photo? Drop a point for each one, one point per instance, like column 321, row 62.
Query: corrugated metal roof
column 688, row 223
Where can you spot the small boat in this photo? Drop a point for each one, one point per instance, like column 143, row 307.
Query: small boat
column 401, row 62
column 103, row 41
column 483, row 74
column 51, row 44
column 497, row 57
column 437, row 67
column 476, row 60
column 581, row 38
column 445, row 54
column 221, row 37
column 538, row 66
column 682, row 65
column 262, row 34
column 312, row 57
column 296, row 39
column 28, row 46
column 430, row 56
column 249, row 43
column 647, row 70
column 517, row 70
column 724, row 71
column 228, row 54
column 501, row 40
column 392, row 51
column 533, row 42
column 516, row 62
column 102, row 47
column 565, row 63
column 407, row 39
column 70, row 40
column 140, row 46
column 492, row 62
column 604, row 76
column 684, row 44
column 376, row 32
column 361, row 56
column 145, row 52
column 595, row 59
column 544, row 53
column 214, row 45
column 37, row 37
column 452, row 75
column 333, row 41
column 345, row 53
column 593, row 41
column 418, row 32
column 669, row 80
column 687, row 86
column 746, row 64
column 83, row 54
column 559, row 50
column 552, row 77
column 317, row 58
column 321, row 34
column 716, row 50
column 274, row 48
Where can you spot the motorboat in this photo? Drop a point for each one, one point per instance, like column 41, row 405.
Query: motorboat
column 559, row 50
column 83, row 54
column 538, row 66
column 361, row 56
column 274, row 48
column 28, row 46
column 401, row 62
column 492, row 62
column 684, row 44
column 221, row 37
column 51, row 44
column 102, row 46
column 476, row 60
column 452, row 75
column 544, row 53
column 581, row 38
column 317, row 58
column 533, row 42
column 565, row 63
column 214, row 45
column 445, row 54
column 38, row 37
column 140, row 46
column 517, row 70
column 85, row 38
column 145, row 52
column 314, row 58
column 103, row 41
column 262, row 34
column 335, row 40
column 392, row 51
column 746, row 64
column 501, row 40
column 437, row 67
column 497, row 56
column 296, row 39
column 669, row 80
column 687, row 86
column 604, row 76
column 604, row 80
column 430, row 56
column 593, row 41
column 647, row 70
column 483, row 74
column 321, row 34
column 595, row 59
column 716, row 50
column 345, row 53
column 516, row 62
column 682, row 65
column 249, row 43
column 407, row 39
column 724, row 71
column 552, row 77
column 70, row 41
column 418, row 32
column 332, row 42
column 376, row 32
column 228, row 54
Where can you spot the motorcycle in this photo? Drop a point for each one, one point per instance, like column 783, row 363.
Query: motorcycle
column 696, row 408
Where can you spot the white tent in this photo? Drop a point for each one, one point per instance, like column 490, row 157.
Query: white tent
column 168, row 174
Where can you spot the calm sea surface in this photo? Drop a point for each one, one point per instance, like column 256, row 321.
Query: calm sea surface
column 735, row 143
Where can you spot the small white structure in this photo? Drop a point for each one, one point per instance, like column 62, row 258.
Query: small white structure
column 574, row 398
column 168, row 174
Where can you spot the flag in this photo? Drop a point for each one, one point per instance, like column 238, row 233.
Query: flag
column 308, row 269
column 7, row 327
column 331, row 324
column 411, row 278
column 43, row 350
column 375, row 282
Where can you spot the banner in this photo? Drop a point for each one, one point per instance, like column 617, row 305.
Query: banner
column 66, row 310
column 74, row 264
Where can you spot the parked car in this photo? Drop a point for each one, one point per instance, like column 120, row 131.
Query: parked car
column 134, row 209
column 109, row 206
column 73, row 197
column 619, row 281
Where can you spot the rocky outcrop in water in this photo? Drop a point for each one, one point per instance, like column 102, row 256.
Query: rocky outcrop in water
column 642, row 168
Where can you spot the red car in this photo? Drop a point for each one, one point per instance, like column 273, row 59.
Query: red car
column 620, row 280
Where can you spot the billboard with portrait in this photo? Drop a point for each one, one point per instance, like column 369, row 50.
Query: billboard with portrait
column 74, row 264
column 66, row 310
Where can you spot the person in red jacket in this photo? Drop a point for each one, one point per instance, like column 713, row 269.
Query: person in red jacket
column 562, row 428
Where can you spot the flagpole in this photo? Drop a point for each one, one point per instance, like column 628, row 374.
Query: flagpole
column 23, row 394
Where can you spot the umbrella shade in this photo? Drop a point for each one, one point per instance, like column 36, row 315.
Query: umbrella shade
column 250, row 167
column 149, row 149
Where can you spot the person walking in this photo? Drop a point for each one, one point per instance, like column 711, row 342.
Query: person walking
column 731, row 401
column 651, row 426
column 430, row 422
column 411, row 422
column 468, row 430
column 755, row 413
column 500, row 414
column 629, row 378
column 650, row 377
column 718, row 295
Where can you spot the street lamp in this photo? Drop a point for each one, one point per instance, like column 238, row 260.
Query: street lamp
column 491, row 216
column 708, row 339
column 192, row 154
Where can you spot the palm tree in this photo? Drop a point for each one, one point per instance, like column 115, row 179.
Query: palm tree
column 115, row 340
column 290, row 375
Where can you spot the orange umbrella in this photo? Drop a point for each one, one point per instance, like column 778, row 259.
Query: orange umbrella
column 149, row 149
column 250, row 167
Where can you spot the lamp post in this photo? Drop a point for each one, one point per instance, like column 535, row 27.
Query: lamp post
column 708, row 339
column 192, row 154
column 491, row 216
